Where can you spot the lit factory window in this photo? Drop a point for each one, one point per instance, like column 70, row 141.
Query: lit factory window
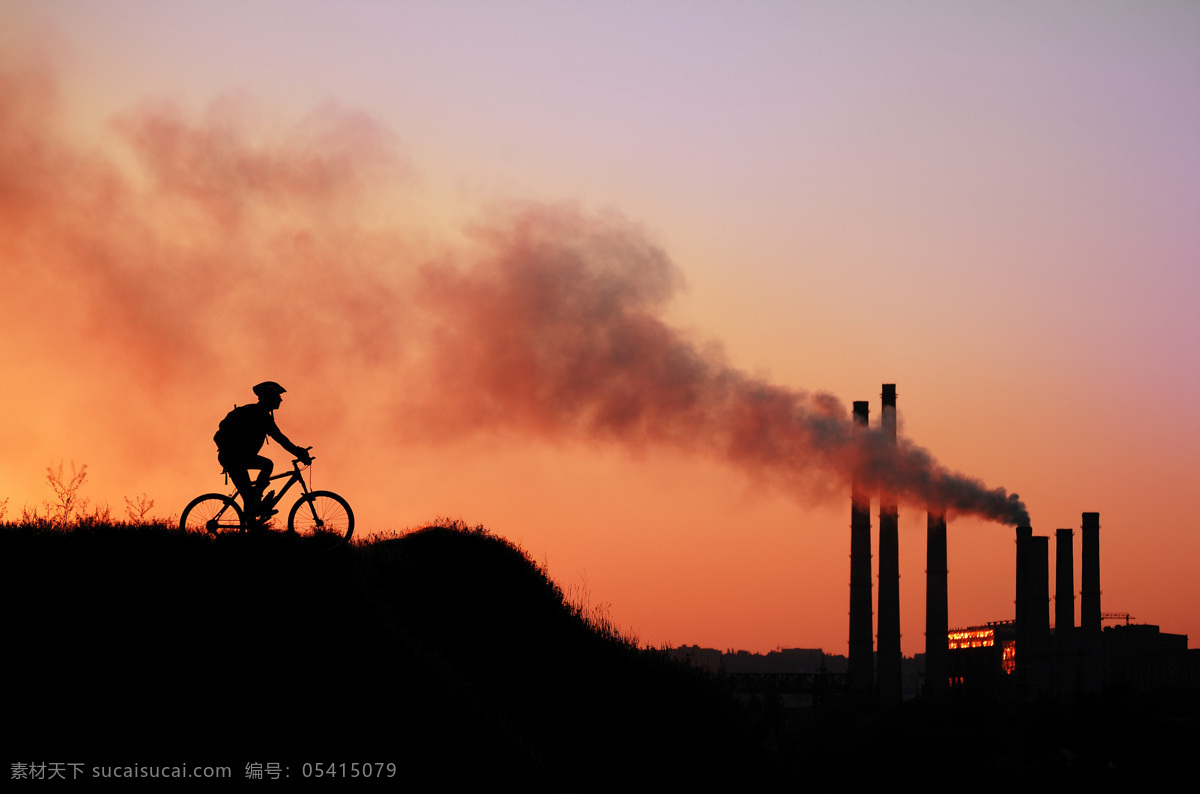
column 971, row 638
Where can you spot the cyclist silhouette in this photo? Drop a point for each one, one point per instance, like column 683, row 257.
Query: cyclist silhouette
column 241, row 436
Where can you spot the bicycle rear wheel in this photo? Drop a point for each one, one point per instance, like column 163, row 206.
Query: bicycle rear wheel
column 322, row 519
column 211, row 514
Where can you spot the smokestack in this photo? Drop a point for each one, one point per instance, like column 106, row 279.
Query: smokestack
column 889, row 659
column 1064, row 583
column 1023, row 614
column 1092, row 672
column 937, row 620
column 1033, row 610
column 1023, row 536
column 1064, row 609
column 1039, row 574
column 862, row 663
column 1089, row 616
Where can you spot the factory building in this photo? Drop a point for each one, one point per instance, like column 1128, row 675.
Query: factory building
column 1026, row 657
column 1029, row 658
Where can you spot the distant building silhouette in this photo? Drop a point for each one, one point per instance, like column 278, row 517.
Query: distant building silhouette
column 799, row 676
column 1027, row 658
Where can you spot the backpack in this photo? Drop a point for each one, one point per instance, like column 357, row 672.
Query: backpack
column 241, row 428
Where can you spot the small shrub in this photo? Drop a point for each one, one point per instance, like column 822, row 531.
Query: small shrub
column 138, row 510
column 67, row 501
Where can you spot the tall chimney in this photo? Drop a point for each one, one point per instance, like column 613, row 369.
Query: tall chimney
column 1024, row 622
column 889, row 659
column 1064, row 582
column 937, row 620
column 1064, row 610
column 1033, row 611
column 1089, row 615
column 862, row 663
column 1091, row 652
column 1039, row 573
column 1023, row 536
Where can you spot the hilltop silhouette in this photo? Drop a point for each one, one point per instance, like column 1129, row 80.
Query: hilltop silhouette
column 448, row 652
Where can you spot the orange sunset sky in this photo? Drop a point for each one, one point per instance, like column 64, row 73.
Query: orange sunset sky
column 605, row 277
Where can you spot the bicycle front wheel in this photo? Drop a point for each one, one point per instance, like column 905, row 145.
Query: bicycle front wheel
column 211, row 514
column 322, row 519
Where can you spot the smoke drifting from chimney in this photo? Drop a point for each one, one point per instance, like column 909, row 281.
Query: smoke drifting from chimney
column 550, row 325
column 556, row 331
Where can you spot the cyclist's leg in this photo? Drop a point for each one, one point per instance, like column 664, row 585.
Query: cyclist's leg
column 241, row 480
column 238, row 466
column 265, row 466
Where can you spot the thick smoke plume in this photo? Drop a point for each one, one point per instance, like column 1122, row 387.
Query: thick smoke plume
column 219, row 246
column 556, row 331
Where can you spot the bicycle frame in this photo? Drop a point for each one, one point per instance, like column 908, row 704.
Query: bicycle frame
column 296, row 475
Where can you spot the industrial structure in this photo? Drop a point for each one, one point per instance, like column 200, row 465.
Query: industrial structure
column 881, row 673
column 889, row 659
column 1029, row 658
column 1025, row 657
column 862, row 663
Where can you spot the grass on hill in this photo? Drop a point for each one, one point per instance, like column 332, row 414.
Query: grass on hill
column 446, row 650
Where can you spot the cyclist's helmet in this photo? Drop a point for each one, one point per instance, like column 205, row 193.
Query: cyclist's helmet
column 268, row 388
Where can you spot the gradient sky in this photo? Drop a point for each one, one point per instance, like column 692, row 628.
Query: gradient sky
column 993, row 205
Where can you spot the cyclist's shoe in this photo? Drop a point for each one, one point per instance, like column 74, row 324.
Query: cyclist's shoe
column 261, row 522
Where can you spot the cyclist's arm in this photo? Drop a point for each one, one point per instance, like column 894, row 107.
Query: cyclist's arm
column 282, row 440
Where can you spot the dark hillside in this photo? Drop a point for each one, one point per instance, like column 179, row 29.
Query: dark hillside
column 448, row 653
column 445, row 651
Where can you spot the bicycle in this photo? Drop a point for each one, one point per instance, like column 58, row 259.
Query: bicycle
column 321, row 519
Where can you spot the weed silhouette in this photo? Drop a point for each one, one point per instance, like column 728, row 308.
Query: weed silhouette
column 67, row 501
